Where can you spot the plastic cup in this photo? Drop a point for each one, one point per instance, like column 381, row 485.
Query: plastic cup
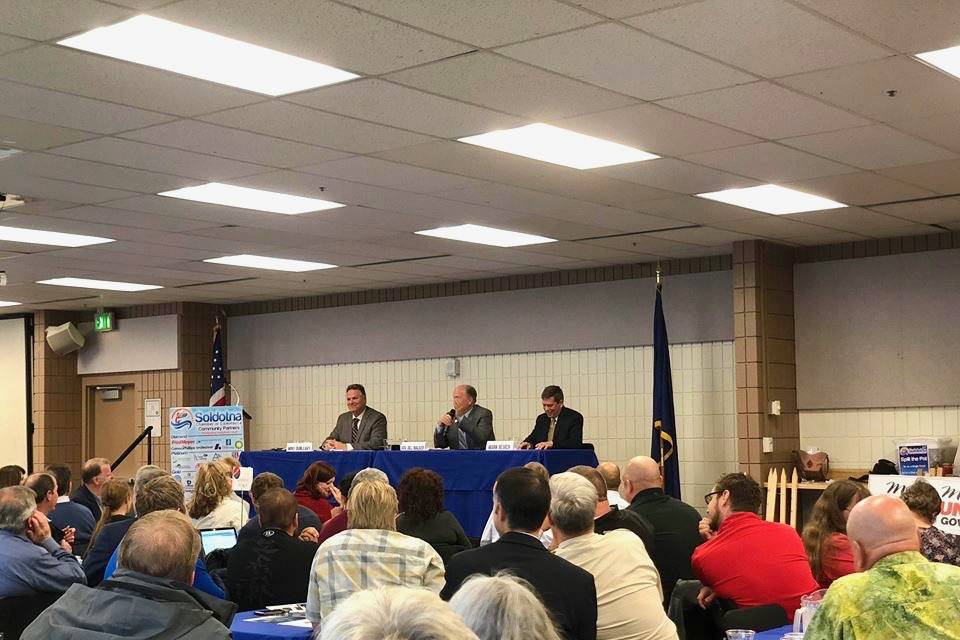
column 741, row 634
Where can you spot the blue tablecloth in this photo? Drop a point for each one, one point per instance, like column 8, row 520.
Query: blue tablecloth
column 772, row 634
column 468, row 476
column 256, row 630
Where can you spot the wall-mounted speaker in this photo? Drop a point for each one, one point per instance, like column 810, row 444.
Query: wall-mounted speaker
column 65, row 338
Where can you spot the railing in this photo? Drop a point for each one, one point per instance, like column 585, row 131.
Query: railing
column 133, row 445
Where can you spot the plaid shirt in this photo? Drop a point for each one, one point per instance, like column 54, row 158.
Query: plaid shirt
column 358, row 559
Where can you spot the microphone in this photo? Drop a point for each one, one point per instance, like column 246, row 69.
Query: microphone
column 452, row 413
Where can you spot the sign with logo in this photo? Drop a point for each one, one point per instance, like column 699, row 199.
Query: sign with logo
column 948, row 519
column 202, row 434
column 913, row 458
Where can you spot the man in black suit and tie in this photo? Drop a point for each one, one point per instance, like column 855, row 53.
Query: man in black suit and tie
column 521, row 499
column 361, row 427
column 467, row 425
column 558, row 427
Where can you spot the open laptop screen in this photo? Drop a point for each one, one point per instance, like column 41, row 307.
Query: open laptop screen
column 213, row 539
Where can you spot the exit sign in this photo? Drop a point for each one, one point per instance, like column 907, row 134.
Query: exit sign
column 104, row 322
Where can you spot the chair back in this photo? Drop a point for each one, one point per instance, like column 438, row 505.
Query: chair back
column 762, row 618
column 18, row 612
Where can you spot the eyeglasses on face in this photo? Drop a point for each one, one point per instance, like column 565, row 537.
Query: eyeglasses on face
column 710, row 495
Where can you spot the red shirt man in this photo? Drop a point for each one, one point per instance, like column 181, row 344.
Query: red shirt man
column 746, row 559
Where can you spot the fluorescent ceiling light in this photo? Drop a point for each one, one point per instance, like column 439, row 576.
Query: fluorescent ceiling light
column 5, row 303
column 770, row 198
column 245, row 198
column 945, row 59
column 559, row 146
column 276, row 264
column 85, row 283
column 37, row 236
column 485, row 235
column 193, row 52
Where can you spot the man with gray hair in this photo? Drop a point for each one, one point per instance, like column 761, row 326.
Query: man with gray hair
column 32, row 562
column 148, row 597
column 629, row 597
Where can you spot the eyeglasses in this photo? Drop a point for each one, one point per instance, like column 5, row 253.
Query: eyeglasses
column 710, row 495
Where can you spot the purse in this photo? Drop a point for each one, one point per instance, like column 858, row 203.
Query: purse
column 812, row 466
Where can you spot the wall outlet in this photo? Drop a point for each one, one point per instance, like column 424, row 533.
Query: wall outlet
column 775, row 408
column 768, row 445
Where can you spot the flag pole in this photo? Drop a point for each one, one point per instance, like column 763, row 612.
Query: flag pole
column 659, row 434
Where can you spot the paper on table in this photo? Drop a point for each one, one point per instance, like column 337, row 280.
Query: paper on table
column 298, row 623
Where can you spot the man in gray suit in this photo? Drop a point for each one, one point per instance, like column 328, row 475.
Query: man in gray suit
column 467, row 425
column 361, row 427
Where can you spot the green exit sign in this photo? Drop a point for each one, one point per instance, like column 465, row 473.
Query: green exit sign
column 104, row 321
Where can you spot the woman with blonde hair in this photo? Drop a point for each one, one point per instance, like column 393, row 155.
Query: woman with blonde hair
column 825, row 534
column 116, row 503
column 212, row 505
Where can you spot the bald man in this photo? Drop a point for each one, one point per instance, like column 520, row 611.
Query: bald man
column 675, row 523
column 467, row 425
column 611, row 475
column 898, row 593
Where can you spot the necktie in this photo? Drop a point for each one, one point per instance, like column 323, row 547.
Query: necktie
column 551, row 429
column 355, row 432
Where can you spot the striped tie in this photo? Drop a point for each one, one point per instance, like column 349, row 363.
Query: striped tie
column 355, row 432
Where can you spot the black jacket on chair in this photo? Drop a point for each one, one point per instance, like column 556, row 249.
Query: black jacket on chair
column 568, row 434
column 568, row 591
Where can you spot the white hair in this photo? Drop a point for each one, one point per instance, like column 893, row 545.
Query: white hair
column 394, row 613
column 367, row 475
column 503, row 607
column 573, row 503
column 17, row 504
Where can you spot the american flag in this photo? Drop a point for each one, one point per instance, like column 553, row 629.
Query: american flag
column 218, row 396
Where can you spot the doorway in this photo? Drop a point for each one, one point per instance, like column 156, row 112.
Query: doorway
column 112, row 426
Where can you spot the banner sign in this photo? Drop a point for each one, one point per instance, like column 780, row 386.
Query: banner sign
column 913, row 458
column 948, row 487
column 202, row 434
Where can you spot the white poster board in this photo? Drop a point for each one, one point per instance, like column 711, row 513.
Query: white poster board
column 948, row 488
column 202, row 434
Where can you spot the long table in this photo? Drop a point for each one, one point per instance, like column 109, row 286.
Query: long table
column 468, row 476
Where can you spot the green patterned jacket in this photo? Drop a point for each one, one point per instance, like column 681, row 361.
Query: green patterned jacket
column 903, row 596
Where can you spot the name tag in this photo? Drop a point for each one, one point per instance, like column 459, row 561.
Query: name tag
column 501, row 445
column 413, row 446
column 299, row 446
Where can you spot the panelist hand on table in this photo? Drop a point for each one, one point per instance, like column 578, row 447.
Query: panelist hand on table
column 333, row 445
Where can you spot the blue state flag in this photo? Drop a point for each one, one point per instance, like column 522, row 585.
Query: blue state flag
column 664, row 447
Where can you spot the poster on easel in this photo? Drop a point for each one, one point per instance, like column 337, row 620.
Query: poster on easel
column 202, row 434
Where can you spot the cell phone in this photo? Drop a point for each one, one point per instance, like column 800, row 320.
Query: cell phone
column 269, row 612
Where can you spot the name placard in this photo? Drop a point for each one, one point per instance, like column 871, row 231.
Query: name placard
column 501, row 445
column 299, row 446
column 413, row 446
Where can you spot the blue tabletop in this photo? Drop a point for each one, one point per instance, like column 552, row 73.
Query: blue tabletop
column 256, row 630
column 773, row 634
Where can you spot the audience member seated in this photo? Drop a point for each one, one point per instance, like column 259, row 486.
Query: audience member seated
column 44, row 487
column 503, row 607
column 608, row 518
column 422, row 514
column 777, row 571
column 32, row 562
column 925, row 504
column 338, row 523
column 675, row 523
column 611, row 475
column 897, row 593
column 94, row 474
column 394, row 613
column 149, row 596
column 370, row 554
column 12, row 475
column 262, row 483
column 116, row 500
column 521, row 499
column 316, row 487
column 274, row 567
column 69, row 513
column 490, row 533
column 825, row 534
column 629, row 597
column 213, row 504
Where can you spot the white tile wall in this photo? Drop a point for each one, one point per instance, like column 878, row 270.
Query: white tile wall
column 611, row 387
column 857, row 438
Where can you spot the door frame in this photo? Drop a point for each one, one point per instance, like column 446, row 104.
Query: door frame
column 90, row 383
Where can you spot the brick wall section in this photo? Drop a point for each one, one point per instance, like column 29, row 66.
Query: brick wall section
column 55, row 399
column 765, row 354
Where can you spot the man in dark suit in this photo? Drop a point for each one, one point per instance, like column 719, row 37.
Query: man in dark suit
column 467, row 425
column 95, row 473
column 521, row 499
column 361, row 427
column 70, row 514
column 558, row 427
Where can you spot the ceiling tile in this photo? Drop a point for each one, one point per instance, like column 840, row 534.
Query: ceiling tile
column 623, row 8
column 45, row 188
column 874, row 147
column 702, row 236
column 676, row 175
column 211, row 213
column 768, row 37
column 691, row 210
column 823, row 236
column 769, row 226
column 383, row 173
column 235, row 144
column 942, row 130
column 642, row 244
column 770, row 162
column 10, row 43
column 859, row 188
column 112, row 80
column 765, row 110
column 657, row 130
column 484, row 24
column 92, row 173
column 319, row 30
column 301, row 124
column 911, row 27
column 942, row 177
column 125, row 218
column 398, row 106
column 939, row 211
column 862, row 88
column 48, row 19
column 35, row 136
column 854, row 219
column 509, row 86
column 585, row 251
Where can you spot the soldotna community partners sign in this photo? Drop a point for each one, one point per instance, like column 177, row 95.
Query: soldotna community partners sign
column 948, row 487
column 202, row 434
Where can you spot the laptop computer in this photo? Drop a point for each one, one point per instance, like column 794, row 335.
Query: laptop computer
column 213, row 539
